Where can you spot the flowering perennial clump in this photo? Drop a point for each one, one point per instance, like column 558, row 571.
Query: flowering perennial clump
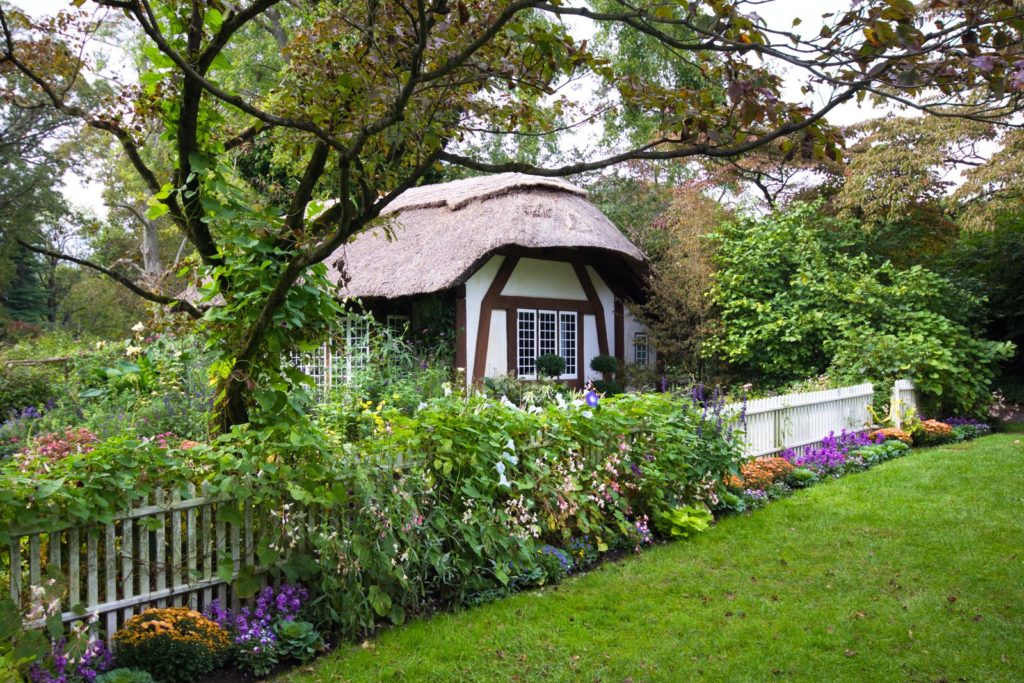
column 174, row 644
column 761, row 473
column 834, row 453
column 932, row 432
column 47, row 449
column 892, row 433
column 255, row 631
column 60, row 666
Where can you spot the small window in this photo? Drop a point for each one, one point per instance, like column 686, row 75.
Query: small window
column 542, row 332
column 398, row 325
column 641, row 353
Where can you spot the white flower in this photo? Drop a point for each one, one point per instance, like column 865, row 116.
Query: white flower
column 510, row 445
column 502, row 480
column 512, row 460
column 133, row 350
column 138, row 327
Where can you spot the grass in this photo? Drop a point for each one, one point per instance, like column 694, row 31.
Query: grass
column 912, row 571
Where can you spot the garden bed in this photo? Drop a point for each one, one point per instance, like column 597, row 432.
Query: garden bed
column 902, row 573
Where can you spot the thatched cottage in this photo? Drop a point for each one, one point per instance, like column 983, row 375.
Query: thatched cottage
column 528, row 264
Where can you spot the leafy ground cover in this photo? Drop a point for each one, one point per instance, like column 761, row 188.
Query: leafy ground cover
column 909, row 571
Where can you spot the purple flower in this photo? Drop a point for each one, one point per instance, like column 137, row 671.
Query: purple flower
column 57, row 667
column 592, row 398
column 985, row 63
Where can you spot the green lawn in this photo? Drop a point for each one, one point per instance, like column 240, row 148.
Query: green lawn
column 912, row 571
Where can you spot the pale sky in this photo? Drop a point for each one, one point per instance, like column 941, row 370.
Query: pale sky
column 778, row 14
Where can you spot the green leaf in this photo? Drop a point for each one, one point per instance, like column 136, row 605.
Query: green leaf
column 226, row 569
column 247, row 584
column 55, row 626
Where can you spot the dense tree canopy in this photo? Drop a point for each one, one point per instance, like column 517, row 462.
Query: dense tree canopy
column 269, row 108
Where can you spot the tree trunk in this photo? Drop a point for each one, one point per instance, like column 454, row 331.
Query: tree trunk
column 231, row 407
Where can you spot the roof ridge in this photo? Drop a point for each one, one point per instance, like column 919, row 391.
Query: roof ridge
column 458, row 194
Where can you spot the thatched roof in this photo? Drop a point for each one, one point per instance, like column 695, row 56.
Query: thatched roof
column 443, row 233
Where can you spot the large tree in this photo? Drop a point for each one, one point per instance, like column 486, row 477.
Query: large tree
column 371, row 95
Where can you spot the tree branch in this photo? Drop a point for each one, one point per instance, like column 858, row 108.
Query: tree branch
column 174, row 303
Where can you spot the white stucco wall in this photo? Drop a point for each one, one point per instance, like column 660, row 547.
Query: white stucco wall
column 604, row 293
column 544, row 279
column 590, row 346
column 476, row 288
column 497, row 347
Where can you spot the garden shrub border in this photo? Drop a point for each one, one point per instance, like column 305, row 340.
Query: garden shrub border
column 619, row 509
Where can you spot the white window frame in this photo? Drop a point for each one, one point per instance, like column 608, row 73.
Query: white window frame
column 571, row 355
column 525, row 358
column 540, row 345
column 641, row 341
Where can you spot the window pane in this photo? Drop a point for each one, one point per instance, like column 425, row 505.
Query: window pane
column 640, row 355
column 567, row 337
column 548, row 333
column 526, row 336
column 398, row 325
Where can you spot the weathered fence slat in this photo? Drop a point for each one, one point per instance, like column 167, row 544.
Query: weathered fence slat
column 222, row 590
column 191, row 516
column 176, row 540
column 110, row 572
column 207, row 557
column 74, row 568
column 160, row 566
column 127, row 564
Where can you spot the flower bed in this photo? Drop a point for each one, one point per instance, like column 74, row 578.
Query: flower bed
column 493, row 498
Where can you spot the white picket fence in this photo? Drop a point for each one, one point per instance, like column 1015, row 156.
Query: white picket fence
column 799, row 420
column 902, row 401
column 175, row 550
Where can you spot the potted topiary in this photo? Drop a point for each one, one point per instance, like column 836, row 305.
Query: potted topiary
column 550, row 365
column 606, row 365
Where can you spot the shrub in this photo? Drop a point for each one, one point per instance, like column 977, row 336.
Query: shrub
column 932, row 433
column 604, row 364
column 789, row 313
column 608, row 387
column 125, row 676
column 801, row 476
column 683, row 521
column 760, row 473
column 175, row 645
column 889, row 433
column 48, row 449
column 23, row 387
column 556, row 563
column 876, row 454
column 550, row 365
